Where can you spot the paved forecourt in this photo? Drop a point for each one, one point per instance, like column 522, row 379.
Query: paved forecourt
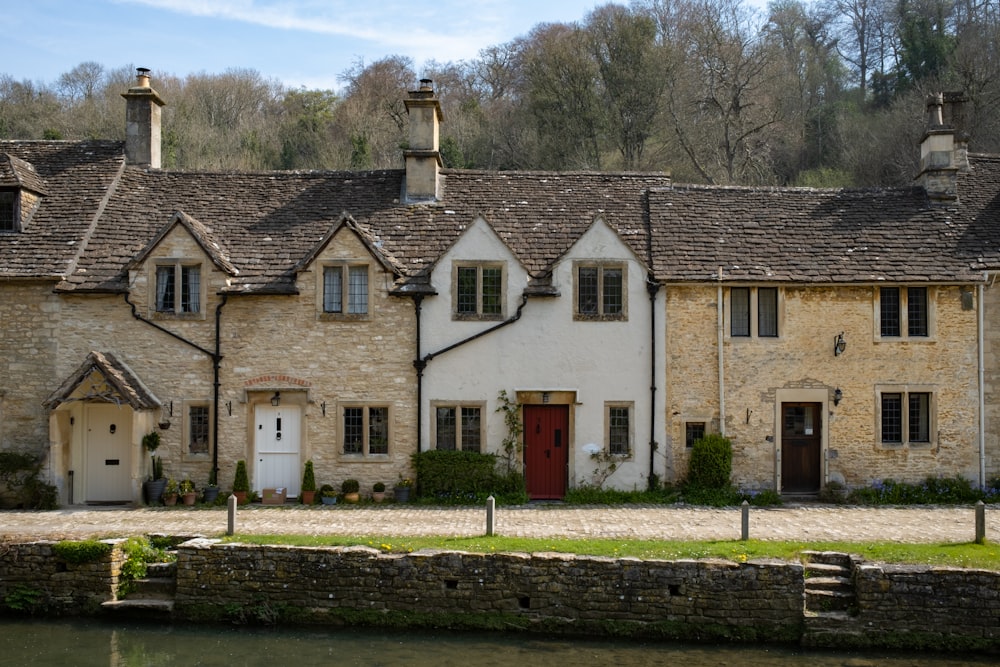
column 809, row 523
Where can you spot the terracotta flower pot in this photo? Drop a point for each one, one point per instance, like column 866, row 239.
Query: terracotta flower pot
column 307, row 497
column 189, row 498
column 170, row 499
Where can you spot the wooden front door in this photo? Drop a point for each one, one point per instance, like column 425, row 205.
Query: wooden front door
column 801, row 443
column 546, row 450
column 108, row 454
column 277, row 442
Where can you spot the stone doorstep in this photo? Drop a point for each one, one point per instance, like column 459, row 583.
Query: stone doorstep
column 813, row 570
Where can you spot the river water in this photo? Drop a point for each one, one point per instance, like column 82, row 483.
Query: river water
column 86, row 643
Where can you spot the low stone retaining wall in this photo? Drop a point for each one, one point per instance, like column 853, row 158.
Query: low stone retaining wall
column 34, row 580
column 927, row 607
column 547, row 592
column 758, row 601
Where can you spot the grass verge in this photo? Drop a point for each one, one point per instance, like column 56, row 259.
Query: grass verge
column 966, row 555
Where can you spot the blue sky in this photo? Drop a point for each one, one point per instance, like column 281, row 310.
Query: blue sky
column 298, row 42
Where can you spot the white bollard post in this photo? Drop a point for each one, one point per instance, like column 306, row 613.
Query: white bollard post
column 491, row 504
column 232, row 515
column 745, row 523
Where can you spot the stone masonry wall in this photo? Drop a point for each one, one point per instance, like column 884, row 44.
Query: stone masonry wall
column 32, row 573
column 554, row 592
column 761, row 601
column 910, row 606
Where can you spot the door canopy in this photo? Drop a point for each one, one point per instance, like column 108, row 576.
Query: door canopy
column 120, row 385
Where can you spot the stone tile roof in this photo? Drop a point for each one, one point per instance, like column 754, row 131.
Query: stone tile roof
column 16, row 173
column 78, row 176
column 804, row 235
column 100, row 217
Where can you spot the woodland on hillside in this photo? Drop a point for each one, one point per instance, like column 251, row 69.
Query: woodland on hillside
column 828, row 93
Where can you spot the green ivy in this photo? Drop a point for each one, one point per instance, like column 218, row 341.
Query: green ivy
column 81, row 552
column 24, row 599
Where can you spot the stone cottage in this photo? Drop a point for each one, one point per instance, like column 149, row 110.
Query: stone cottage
column 355, row 318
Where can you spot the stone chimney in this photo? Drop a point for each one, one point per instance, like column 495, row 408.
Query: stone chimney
column 142, row 123
column 423, row 157
column 938, row 166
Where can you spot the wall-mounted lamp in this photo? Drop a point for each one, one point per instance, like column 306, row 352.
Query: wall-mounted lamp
column 837, row 396
column 323, row 407
column 276, row 399
column 229, row 407
column 839, row 344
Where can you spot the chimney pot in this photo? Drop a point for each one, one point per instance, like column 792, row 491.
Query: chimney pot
column 142, row 76
column 426, row 84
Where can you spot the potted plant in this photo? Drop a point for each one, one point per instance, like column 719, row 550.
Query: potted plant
column 351, row 489
column 153, row 487
column 327, row 495
column 170, row 493
column 211, row 490
column 401, row 492
column 187, row 493
column 308, row 492
column 378, row 492
column 241, row 482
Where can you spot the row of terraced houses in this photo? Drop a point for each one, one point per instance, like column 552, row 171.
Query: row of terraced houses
column 834, row 335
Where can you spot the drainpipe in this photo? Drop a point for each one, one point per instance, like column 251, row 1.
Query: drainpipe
column 722, row 373
column 215, row 356
column 216, row 364
column 982, row 383
column 420, row 365
column 652, row 287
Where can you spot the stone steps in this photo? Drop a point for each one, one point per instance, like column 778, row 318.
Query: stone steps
column 150, row 598
column 829, row 589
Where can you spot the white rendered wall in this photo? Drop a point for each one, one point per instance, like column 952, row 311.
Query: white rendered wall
column 546, row 350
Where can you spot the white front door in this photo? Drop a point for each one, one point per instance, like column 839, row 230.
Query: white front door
column 107, row 453
column 277, row 440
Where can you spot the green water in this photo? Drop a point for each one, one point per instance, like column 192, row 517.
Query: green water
column 92, row 643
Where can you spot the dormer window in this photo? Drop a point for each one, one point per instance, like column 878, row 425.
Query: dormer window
column 8, row 211
column 178, row 288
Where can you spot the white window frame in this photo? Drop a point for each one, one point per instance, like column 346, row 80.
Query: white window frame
column 601, row 266
column 345, row 268
column 754, row 306
column 904, row 315
column 458, row 406
column 905, row 391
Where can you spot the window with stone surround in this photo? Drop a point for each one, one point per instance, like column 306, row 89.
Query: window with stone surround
column 906, row 416
column 178, row 288
column 198, row 427
column 693, row 431
column 478, row 290
column 618, row 427
column 753, row 312
column 346, row 290
column 364, row 430
column 458, row 426
column 600, row 291
column 903, row 312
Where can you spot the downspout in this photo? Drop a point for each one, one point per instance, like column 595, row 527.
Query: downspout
column 652, row 287
column 216, row 358
column 722, row 373
column 420, row 365
column 982, row 382
column 216, row 365
column 510, row 320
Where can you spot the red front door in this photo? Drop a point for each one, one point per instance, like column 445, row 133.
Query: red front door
column 546, row 450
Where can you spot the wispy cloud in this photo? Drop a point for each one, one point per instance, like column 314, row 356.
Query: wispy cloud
column 441, row 30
